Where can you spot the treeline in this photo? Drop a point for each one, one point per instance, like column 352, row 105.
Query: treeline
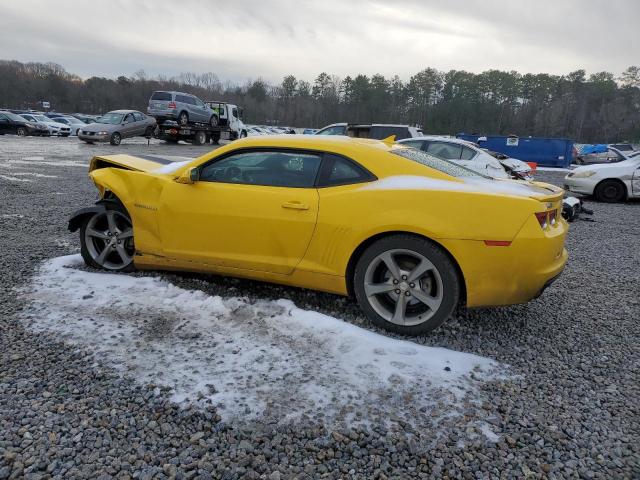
column 596, row 108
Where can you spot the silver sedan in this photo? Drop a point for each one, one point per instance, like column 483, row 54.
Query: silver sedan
column 112, row 127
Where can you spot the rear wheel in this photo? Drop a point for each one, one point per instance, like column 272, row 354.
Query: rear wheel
column 21, row 132
column 183, row 118
column 213, row 121
column 116, row 138
column 610, row 191
column 106, row 240
column 406, row 284
column 200, row 138
column 148, row 133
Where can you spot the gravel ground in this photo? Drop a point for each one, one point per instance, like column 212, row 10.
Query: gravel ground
column 569, row 409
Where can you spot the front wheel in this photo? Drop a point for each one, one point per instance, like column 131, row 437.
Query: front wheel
column 22, row 132
column 213, row 121
column 406, row 284
column 116, row 138
column 106, row 240
column 610, row 191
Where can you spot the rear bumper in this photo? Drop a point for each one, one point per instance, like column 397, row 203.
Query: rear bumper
column 508, row 275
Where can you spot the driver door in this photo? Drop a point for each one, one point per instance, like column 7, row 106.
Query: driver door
column 250, row 210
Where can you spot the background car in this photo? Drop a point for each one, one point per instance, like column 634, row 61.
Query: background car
column 112, row 127
column 610, row 155
column 607, row 182
column 55, row 128
column 182, row 107
column 409, row 234
column 461, row 152
column 309, row 131
column 72, row 122
column 86, row 118
column 11, row 123
column 376, row 131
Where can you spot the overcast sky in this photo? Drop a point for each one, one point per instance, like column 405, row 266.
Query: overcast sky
column 246, row 39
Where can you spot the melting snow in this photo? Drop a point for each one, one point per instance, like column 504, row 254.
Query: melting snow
column 476, row 185
column 262, row 359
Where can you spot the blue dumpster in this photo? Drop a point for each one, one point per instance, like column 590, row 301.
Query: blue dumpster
column 546, row 152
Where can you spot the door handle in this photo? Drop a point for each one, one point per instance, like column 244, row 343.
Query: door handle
column 295, row 205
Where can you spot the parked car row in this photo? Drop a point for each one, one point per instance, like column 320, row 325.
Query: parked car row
column 26, row 122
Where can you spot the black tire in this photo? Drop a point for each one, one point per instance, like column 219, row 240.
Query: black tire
column 243, row 134
column 213, row 121
column 86, row 249
column 22, row 132
column 183, row 118
column 200, row 137
column 115, row 139
column 148, row 133
column 448, row 284
column 215, row 138
column 610, row 191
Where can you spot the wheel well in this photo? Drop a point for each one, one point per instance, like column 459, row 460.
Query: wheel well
column 355, row 256
column 615, row 180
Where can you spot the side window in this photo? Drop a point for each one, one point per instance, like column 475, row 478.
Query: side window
column 467, row 154
column 338, row 170
column 138, row 116
column 198, row 102
column 234, row 112
column 448, row 151
column 269, row 168
column 3, row 118
column 128, row 118
column 182, row 99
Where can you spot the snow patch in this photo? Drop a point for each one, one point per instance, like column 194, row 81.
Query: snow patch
column 253, row 359
column 474, row 185
column 172, row 167
column 34, row 174
column 14, row 179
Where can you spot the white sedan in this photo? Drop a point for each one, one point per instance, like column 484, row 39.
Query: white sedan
column 55, row 128
column 607, row 182
column 469, row 155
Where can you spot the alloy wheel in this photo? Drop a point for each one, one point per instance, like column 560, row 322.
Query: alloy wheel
column 403, row 287
column 109, row 240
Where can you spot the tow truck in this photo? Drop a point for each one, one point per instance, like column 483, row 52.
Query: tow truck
column 229, row 127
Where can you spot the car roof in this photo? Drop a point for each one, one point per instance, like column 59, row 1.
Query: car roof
column 124, row 111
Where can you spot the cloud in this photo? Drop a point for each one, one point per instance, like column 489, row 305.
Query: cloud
column 254, row 38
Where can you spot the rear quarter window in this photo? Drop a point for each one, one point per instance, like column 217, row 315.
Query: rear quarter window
column 166, row 96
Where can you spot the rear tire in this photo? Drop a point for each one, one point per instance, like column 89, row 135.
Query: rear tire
column 213, row 121
column 148, row 133
column 610, row 191
column 200, row 138
column 115, row 139
column 183, row 118
column 406, row 284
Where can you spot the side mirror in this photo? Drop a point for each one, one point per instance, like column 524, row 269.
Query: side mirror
column 190, row 176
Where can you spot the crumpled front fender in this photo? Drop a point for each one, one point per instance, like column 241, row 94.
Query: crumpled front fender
column 79, row 215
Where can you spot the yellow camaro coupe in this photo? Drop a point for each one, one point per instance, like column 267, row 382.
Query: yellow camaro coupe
column 409, row 235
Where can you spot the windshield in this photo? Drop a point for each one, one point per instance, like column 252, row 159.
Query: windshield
column 444, row 166
column 41, row 118
column 111, row 118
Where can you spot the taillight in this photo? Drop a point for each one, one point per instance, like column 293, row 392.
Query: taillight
column 172, row 104
column 542, row 219
column 547, row 218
